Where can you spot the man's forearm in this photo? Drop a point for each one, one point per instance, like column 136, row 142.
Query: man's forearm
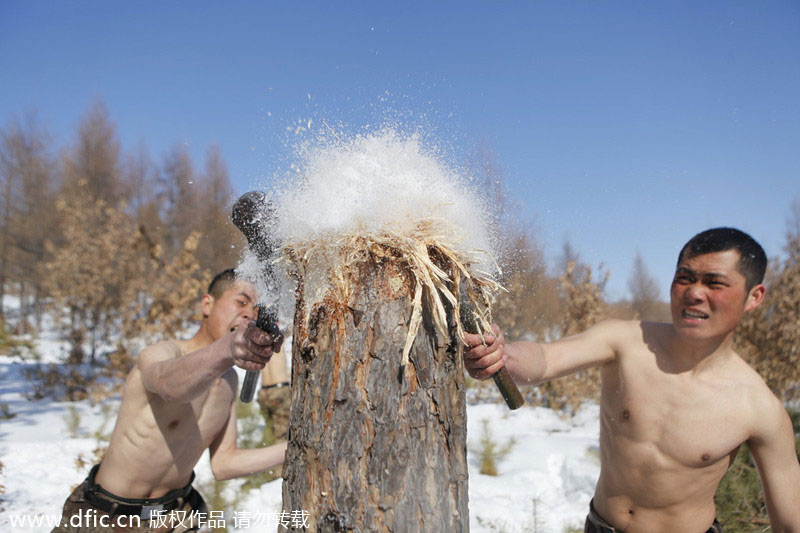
column 245, row 462
column 525, row 362
column 184, row 378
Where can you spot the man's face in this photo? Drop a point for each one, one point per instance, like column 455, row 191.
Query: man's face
column 708, row 295
column 234, row 308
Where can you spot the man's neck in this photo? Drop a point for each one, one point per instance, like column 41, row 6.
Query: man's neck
column 697, row 355
column 199, row 340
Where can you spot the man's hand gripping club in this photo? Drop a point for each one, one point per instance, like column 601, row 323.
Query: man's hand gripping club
column 252, row 347
column 485, row 357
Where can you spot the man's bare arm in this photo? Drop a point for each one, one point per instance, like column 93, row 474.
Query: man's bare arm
column 228, row 461
column 181, row 379
column 532, row 363
column 773, row 449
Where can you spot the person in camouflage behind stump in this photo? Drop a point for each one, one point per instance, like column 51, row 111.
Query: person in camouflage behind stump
column 275, row 398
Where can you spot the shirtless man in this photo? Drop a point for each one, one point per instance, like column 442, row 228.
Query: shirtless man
column 676, row 401
column 179, row 400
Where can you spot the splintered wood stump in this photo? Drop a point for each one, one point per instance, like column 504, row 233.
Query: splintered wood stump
column 373, row 447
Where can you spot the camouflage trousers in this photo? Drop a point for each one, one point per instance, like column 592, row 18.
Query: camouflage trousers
column 92, row 509
column 275, row 405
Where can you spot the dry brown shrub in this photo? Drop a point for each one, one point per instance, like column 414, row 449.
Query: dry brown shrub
column 88, row 271
column 13, row 345
column 62, row 382
column 529, row 308
column 81, row 461
column 112, row 286
column 769, row 336
column 163, row 296
column 161, row 301
column 583, row 307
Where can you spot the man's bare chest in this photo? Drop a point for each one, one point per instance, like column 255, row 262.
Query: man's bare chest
column 197, row 423
column 671, row 420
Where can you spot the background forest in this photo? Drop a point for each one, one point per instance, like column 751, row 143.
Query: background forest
column 114, row 249
column 117, row 246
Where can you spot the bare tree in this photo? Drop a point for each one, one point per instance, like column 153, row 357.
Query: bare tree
column 221, row 243
column 644, row 290
column 570, row 256
column 26, row 171
column 530, row 306
column 140, row 188
column 95, row 158
column 793, row 223
column 180, row 190
column 9, row 220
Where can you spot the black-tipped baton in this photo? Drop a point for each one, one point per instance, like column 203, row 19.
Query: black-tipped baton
column 508, row 389
column 254, row 215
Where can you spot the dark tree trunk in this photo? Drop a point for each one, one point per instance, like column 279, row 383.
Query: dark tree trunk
column 373, row 447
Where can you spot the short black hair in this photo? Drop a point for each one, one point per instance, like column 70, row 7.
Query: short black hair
column 752, row 262
column 222, row 282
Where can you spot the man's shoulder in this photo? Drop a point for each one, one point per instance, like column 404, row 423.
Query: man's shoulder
column 747, row 388
column 160, row 351
column 766, row 410
column 630, row 330
column 631, row 324
column 633, row 337
column 750, row 381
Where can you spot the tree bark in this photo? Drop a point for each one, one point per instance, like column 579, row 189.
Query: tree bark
column 373, row 446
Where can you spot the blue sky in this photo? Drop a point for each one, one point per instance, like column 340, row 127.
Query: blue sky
column 622, row 126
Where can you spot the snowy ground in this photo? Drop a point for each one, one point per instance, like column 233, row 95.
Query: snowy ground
column 544, row 484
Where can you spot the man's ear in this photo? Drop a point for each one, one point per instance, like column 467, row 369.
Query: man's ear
column 206, row 303
column 755, row 297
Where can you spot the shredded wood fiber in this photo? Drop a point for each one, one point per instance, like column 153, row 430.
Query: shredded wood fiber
column 439, row 269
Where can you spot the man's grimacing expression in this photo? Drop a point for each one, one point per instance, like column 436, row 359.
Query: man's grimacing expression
column 708, row 295
column 234, row 308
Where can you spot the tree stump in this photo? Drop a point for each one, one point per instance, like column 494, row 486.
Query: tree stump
column 373, row 445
